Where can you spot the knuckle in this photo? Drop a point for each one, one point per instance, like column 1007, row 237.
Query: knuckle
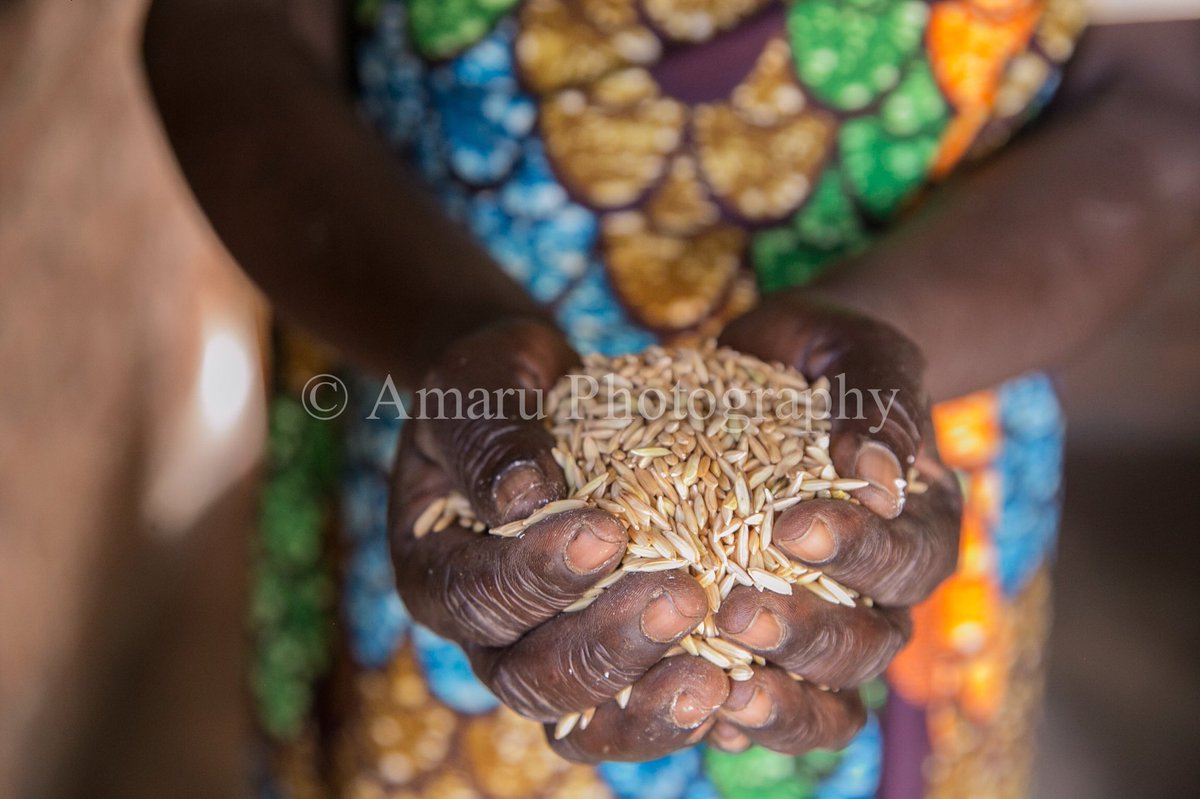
column 483, row 446
column 910, row 566
column 842, row 723
column 831, row 723
column 913, row 576
column 497, row 610
column 794, row 743
column 523, row 690
column 532, row 587
column 815, row 653
column 885, row 643
column 899, row 590
column 934, row 559
column 874, row 555
column 844, row 654
column 598, row 667
column 480, row 622
column 581, row 677
column 818, row 733
column 900, row 627
column 898, row 431
column 944, row 563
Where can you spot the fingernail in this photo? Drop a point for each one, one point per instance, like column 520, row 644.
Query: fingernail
column 750, row 707
column 764, row 631
column 663, row 621
column 592, row 547
column 688, row 712
column 740, row 694
column 517, row 491
column 879, row 465
column 815, row 545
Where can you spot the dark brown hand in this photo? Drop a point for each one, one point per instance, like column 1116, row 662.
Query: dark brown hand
column 502, row 598
column 893, row 548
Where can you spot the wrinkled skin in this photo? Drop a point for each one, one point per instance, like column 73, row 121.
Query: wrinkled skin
column 990, row 278
column 893, row 548
column 501, row 598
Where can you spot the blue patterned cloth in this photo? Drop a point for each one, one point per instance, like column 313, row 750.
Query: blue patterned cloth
column 468, row 126
column 1030, row 468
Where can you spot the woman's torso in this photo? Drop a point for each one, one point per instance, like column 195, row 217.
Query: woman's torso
column 646, row 168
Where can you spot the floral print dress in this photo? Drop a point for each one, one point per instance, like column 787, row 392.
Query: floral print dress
column 646, row 169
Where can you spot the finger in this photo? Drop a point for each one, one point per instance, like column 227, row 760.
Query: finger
column 487, row 435
column 878, row 457
column 670, row 708
column 829, row 645
column 894, row 561
column 728, row 738
column 479, row 588
column 790, row 717
column 579, row 660
column 879, row 406
column 879, row 403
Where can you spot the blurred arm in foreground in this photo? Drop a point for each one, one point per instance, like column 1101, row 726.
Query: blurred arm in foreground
column 309, row 201
column 1017, row 264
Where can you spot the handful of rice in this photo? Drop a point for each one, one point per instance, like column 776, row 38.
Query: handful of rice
column 696, row 451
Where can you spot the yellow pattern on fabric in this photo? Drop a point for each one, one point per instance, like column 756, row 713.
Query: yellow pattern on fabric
column 975, row 659
column 680, row 189
column 995, row 758
column 400, row 741
column 666, row 167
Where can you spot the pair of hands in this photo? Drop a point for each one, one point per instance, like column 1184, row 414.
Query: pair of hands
column 501, row 598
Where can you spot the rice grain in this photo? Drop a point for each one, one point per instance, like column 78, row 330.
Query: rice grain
column 697, row 494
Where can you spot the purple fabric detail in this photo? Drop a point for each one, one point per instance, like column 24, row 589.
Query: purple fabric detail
column 905, row 749
column 708, row 71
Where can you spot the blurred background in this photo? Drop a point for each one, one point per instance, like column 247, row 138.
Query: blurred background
column 130, row 428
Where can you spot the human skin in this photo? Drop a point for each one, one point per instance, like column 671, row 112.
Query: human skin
column 108, row 600
column 501, row 598
column 1019, row 262
column 990, row 279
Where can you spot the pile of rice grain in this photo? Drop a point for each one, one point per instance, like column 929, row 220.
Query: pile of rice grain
column 698, row 486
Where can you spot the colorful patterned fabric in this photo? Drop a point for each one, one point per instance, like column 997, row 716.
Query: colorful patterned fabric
column 646, row 168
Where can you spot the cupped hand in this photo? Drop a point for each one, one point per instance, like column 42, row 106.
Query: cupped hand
column 894, row 547
column 502, row 598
